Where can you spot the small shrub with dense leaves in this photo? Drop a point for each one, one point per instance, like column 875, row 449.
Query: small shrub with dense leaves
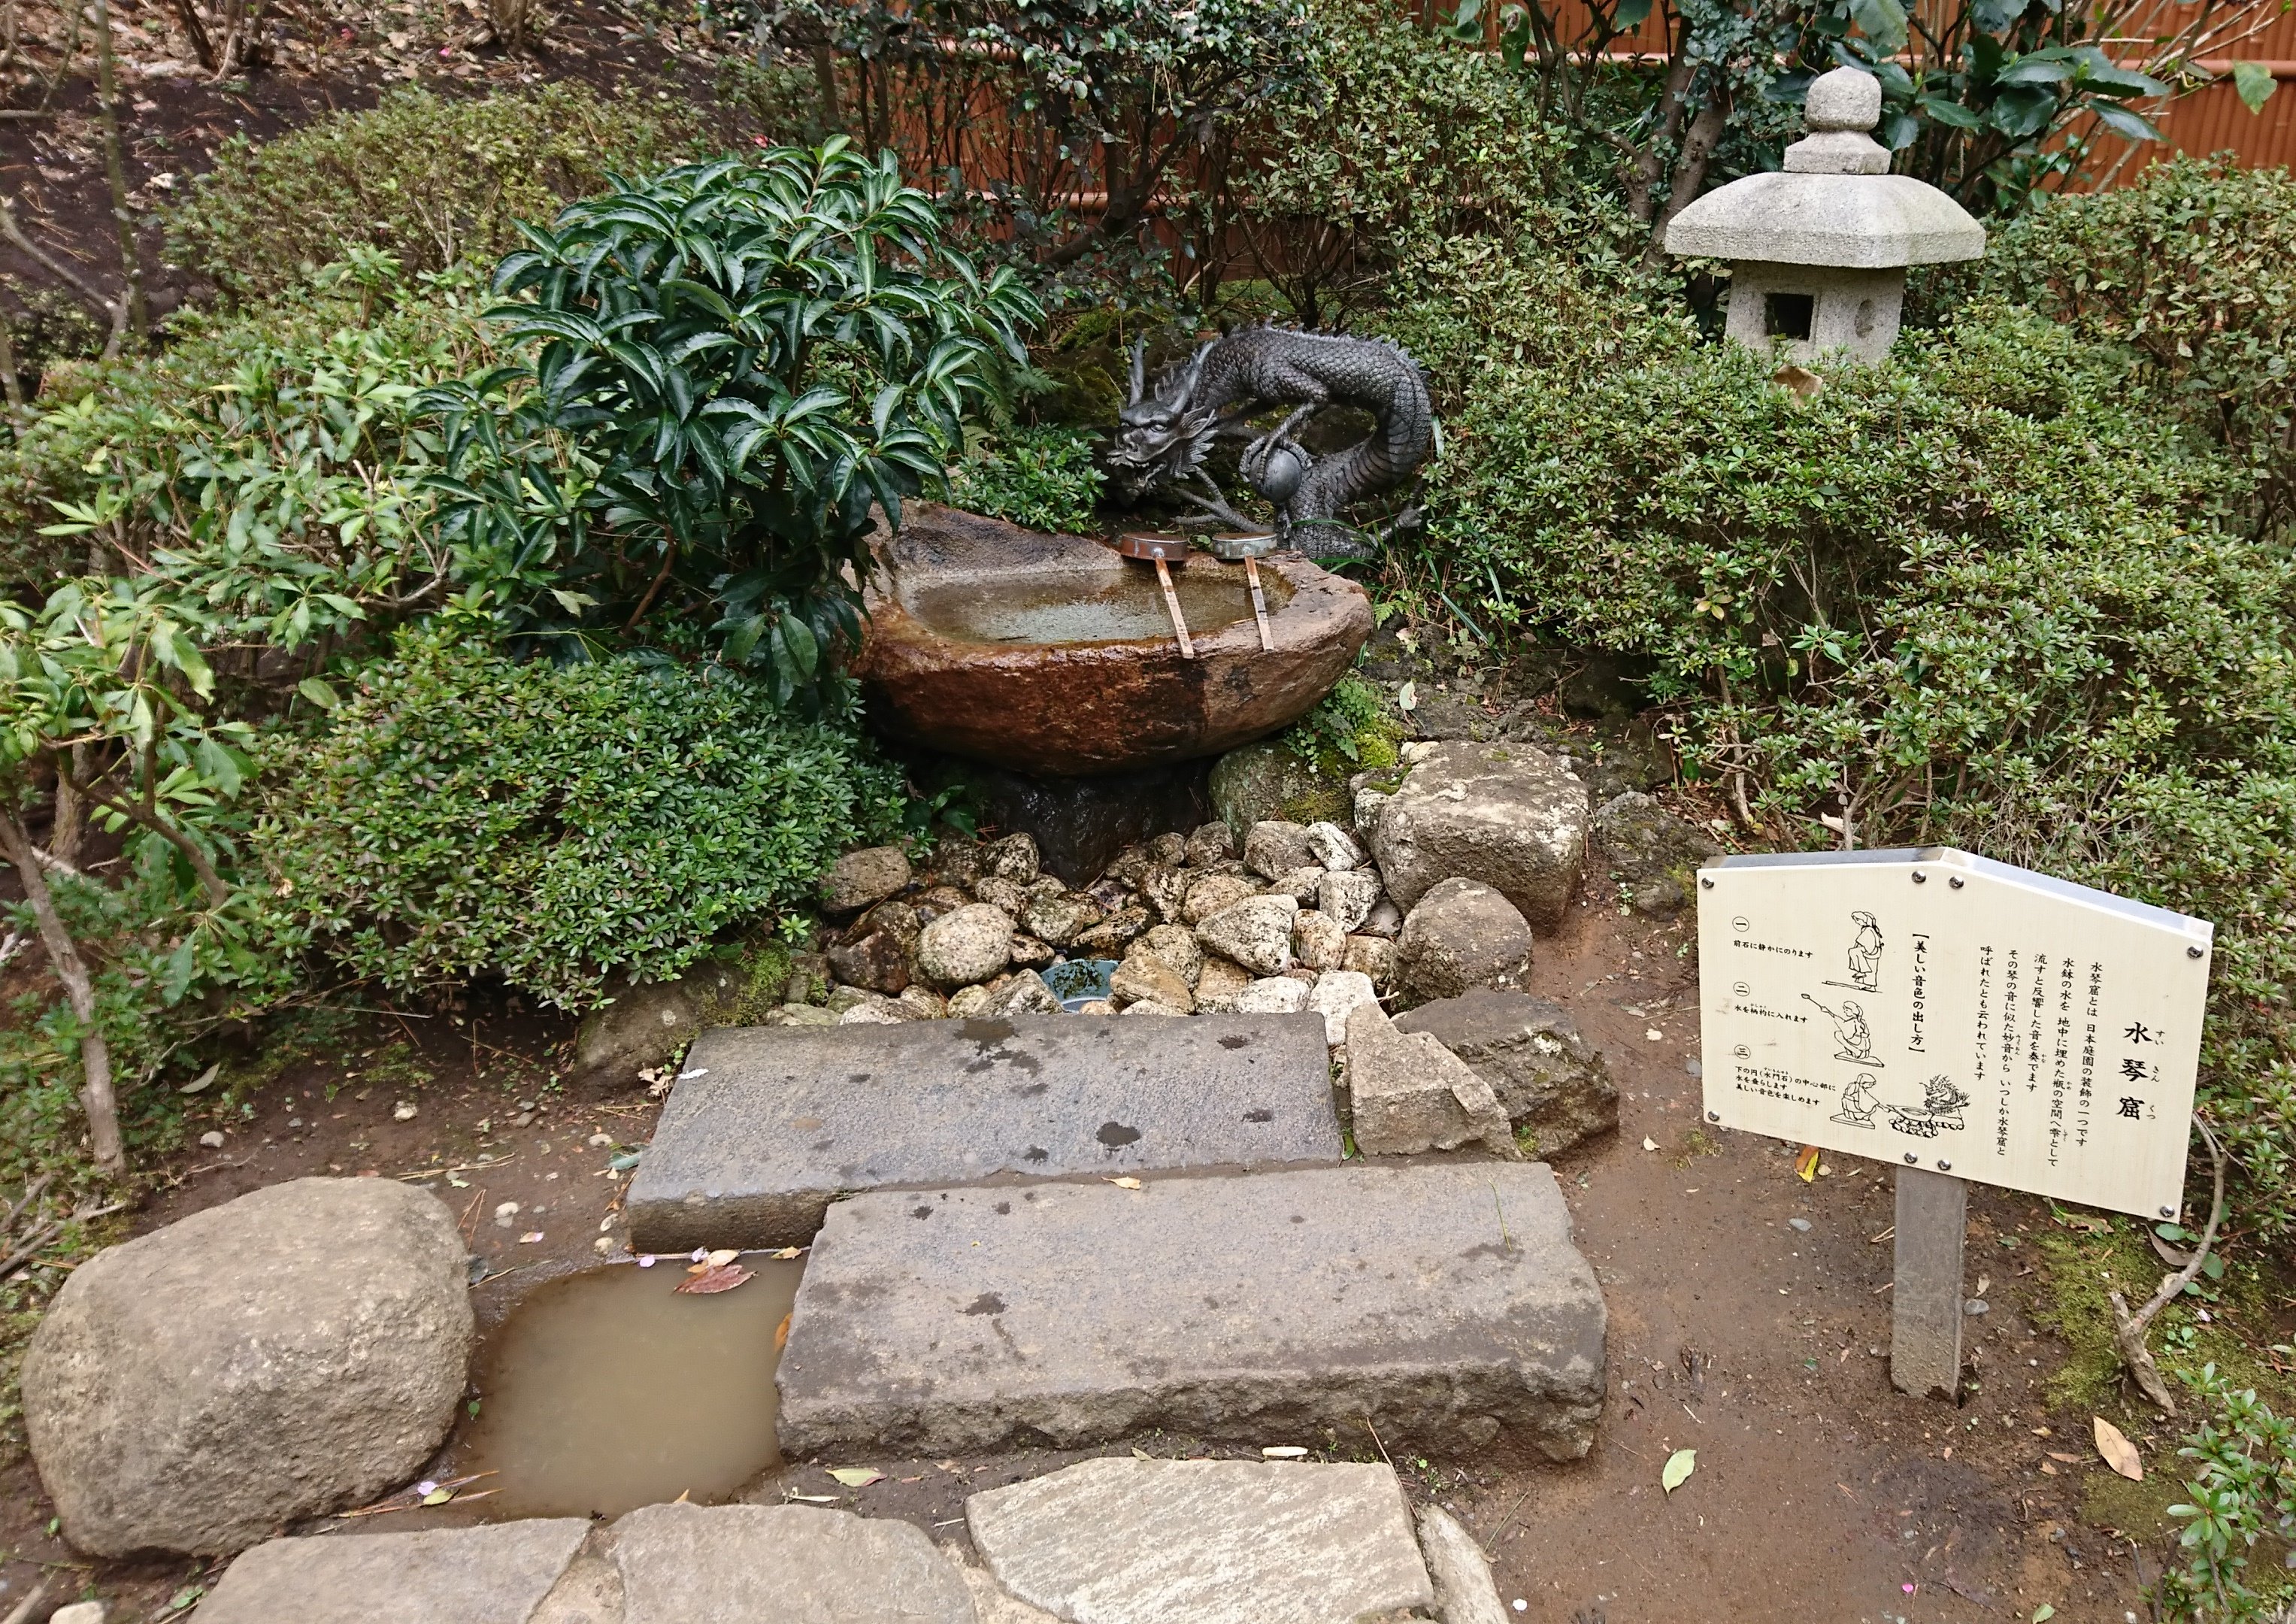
column 2192, row 268
column 1040, row 478
column 428, row 179
column 466, row 815
column 1995, row 593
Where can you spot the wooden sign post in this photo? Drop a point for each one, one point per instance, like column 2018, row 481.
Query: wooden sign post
column 1960, row 1019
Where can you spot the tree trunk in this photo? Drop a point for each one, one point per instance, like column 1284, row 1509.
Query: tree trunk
column 97, row 1100
column 1705, row 134
column 115, row 170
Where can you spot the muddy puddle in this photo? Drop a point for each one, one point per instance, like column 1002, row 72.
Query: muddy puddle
column 1091, row 608
column 609, row 1389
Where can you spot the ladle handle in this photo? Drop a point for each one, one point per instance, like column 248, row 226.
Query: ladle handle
column 1259, row 602
column 1172, row 602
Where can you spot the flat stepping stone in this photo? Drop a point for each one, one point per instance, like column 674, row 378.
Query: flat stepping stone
column 1210, row 1542
column 768, row 1125
column 492, row 1575
column 1445, row 1304
column 661, row 1564
column 781, row 1564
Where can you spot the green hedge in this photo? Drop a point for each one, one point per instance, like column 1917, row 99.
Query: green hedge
column 1999, row 593
column 464, row 815
column 429, row 180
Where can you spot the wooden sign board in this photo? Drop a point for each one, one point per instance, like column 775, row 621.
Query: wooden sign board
column 1933, row 1009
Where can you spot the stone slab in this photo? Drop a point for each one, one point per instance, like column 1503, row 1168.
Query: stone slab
column 1212, row 1542
column 491, row 1575
column 1464, row 1592
column 768, row 1125
column 1445, row 1303
column 781, row 1564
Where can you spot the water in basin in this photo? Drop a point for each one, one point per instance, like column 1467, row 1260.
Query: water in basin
column 608, row 1389
column 1089, row 608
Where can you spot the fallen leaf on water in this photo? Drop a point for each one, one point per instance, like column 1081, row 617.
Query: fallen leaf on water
column 1806, row 1164
column 857, row 1477
column 788, row 1251
column 781, row 1334
column 2119, row 1453
column 722, row 1257
column 723, row 1277
column 1678, row 1467
column 1123, row 1184
column 1283, row 1452
column 437, row 1497
column 1649, row 1144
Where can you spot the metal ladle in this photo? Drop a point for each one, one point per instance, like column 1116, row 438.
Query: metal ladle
column 1163, row 551
column 1249, row 546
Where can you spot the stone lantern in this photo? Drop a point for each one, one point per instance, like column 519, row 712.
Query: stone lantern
column 1818, row 252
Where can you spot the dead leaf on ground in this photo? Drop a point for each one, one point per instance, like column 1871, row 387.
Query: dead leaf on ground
column 1800, row 380
column 716, row 1277
column 2169, row 1254
column 857, row 1477
column 2119, row 1453
column 2070, row 1460
column 1806, row 1164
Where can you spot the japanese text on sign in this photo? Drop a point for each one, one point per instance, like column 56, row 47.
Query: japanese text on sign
column 1940, row 1010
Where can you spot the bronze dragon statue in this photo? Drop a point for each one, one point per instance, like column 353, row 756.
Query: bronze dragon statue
column 1163, row 437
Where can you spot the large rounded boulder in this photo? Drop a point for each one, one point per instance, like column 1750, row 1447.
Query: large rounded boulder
column 296, row 1351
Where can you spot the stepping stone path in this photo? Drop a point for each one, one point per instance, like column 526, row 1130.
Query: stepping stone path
column 1444, row 1304
column 1212, row 1542
column 1113, row 1541
column 497, row 1575
column 768, row 1125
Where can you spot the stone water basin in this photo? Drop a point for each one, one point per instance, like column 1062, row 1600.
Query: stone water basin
column 1050, row 654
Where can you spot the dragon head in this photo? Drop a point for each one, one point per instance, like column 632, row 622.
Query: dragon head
column 1161, row 438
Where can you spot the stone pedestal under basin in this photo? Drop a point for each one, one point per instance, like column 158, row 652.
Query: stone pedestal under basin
column 1051, row 654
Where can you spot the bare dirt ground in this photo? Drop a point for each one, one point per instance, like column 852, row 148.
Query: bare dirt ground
column 1819, row 1492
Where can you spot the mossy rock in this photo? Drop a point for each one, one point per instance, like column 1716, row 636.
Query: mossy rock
column 1268, row 781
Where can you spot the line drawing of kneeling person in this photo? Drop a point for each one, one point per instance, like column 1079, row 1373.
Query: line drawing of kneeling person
column 1859, row 1101
column 1853, row 1036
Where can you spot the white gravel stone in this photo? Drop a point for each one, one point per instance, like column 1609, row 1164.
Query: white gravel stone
column 1335, row 995
column 1256, row 933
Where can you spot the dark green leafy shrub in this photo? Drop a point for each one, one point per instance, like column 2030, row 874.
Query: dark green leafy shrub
column 1991, row 595
column 1406, row 142
column 755, row 356
column 1043, row 479
column 427, row 179
column 467, row 815
column 2192, row 267
column 267, row 458
column 2241, row 1489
